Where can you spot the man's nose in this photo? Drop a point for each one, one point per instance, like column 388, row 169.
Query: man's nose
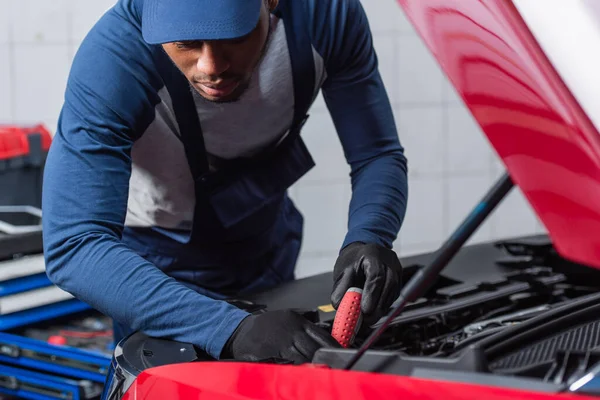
column 212, row 60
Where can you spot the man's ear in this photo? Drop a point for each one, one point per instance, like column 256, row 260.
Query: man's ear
column 272, row 4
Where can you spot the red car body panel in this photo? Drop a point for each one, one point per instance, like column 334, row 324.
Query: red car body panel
column 238, row 381
column 548, row 145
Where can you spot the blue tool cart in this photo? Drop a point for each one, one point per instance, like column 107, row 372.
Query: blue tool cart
column 52, row 346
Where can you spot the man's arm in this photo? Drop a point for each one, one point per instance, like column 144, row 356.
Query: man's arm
column 84, row 205
column 363, row 117
column 361, row 112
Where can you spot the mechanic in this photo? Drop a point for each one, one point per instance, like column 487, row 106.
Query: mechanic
column 165, row 188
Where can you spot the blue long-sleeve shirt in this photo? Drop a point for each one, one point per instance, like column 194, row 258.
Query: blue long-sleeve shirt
column 116, row 162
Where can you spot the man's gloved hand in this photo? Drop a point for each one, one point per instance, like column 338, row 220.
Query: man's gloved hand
column 373, row 268
column 277, row 334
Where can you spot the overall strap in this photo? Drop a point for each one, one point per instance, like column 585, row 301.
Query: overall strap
column 185, row 111
column 294, row 16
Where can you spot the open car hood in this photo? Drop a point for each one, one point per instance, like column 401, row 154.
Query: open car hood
column 524, row 70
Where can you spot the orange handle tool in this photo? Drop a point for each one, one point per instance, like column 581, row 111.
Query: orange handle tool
column 347, row 318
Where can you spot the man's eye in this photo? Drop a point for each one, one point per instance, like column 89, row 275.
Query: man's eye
column 238, row 40
column 187, row 45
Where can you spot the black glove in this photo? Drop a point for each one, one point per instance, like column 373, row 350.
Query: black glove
column 277, row 334
column 373, row 268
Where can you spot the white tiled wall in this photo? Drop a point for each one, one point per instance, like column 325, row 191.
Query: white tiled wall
column 451, row 163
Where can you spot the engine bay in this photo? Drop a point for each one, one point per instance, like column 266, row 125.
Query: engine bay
column 511, row 313
column 454, row 314
column 449, row 321
column 536, row 324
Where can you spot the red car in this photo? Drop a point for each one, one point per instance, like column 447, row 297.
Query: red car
column 516, row 318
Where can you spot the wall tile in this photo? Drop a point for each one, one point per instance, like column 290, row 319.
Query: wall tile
column 319, row 103
column 421, row 132
column 292, row 192
column 4, row 21
column 397, row 246
column 40, row 21
column 404, row 26
column 498, row 167
column 85, row 14
column 540, row 228
column 325, row 210
column 449, row 94
column 468, row 147
column 514, row 217
column 463, row 195
column 51, row 124
column 40, row 92
column 385, row 15
column 6, row 109
column 323, row 143
column 424, row 220
column 385, row 47
column 420, row 77
column 73, row 47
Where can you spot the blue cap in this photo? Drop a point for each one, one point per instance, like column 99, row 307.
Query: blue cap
column 165, row 21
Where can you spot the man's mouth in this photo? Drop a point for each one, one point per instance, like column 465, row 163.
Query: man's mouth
column 220, row 89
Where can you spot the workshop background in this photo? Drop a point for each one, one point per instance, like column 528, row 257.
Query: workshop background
column 451, row 164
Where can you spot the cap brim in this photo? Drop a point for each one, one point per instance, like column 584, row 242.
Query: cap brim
column 165, row 21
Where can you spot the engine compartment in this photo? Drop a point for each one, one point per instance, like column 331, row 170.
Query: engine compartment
column 454, row 316
column 511, row 314
column 536, row 323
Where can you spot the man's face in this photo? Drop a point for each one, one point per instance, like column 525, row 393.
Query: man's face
column 220, row 70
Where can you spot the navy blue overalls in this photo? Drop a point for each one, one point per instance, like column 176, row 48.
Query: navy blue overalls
column 247, row 233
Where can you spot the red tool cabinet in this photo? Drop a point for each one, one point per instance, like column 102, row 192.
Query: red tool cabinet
column 23, row 151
